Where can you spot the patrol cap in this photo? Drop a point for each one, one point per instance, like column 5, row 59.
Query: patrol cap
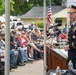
column 72, row 9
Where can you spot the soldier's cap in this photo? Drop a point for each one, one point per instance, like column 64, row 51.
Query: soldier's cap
column 72, row 9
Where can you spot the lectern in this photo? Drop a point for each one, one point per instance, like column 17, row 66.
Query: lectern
column 56, row 57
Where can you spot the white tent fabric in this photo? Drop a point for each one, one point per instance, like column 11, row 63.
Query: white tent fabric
column 61, row 14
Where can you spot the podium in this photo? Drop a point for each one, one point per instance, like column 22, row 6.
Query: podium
column 56, row 57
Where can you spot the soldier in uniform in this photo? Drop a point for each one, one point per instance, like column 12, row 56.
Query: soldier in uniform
column 71, row 47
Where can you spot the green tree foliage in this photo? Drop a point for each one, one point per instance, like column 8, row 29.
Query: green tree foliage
column 19, row 7
column 56, row 2
column 36, row 2
column 11, row 5
column 40, row 2
column 2, row 7
column 40, row 24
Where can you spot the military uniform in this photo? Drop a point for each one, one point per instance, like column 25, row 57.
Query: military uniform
column 72, row 43
column 72, row 36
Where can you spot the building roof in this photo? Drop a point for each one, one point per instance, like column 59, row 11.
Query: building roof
column 37, row 12
column 60, row 14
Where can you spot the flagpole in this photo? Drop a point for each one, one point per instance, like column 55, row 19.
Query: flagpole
column 68, row 20
column 45, row 67
column 50, row 2
column 7, row 37
column 51, row 11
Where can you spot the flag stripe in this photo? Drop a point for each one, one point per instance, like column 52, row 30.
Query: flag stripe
column 49, row 16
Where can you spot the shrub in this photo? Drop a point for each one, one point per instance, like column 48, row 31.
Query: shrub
column 40, row 24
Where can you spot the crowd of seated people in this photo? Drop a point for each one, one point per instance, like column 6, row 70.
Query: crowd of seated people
column 1, row 53
column 55, row 36
column 22, row 48
column 26, row 44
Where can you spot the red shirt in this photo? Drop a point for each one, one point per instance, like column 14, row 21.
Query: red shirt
column 22, row 41
column 64, row 36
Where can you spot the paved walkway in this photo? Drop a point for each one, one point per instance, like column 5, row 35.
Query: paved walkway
column 29, row 69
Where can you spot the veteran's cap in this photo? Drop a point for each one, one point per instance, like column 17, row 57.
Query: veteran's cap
column 72, row 9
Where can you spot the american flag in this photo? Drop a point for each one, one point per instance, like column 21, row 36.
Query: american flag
column 49, row 16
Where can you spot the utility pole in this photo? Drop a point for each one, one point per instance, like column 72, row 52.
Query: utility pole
column 7, row 37
column 45, row 67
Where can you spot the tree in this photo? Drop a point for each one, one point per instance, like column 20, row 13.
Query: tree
column 19, row 7
column 36, row 2
column 11, row 5
column 57, row 2
column 2, row 7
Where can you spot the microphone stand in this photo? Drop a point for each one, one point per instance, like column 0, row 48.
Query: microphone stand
column 50, row 52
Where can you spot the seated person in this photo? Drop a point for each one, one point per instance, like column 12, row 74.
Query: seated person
column 52, row 34
column 1, row 68
column 2, row 49
column 34, row 36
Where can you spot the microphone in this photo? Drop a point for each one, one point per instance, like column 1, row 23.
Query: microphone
column 58, row 24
